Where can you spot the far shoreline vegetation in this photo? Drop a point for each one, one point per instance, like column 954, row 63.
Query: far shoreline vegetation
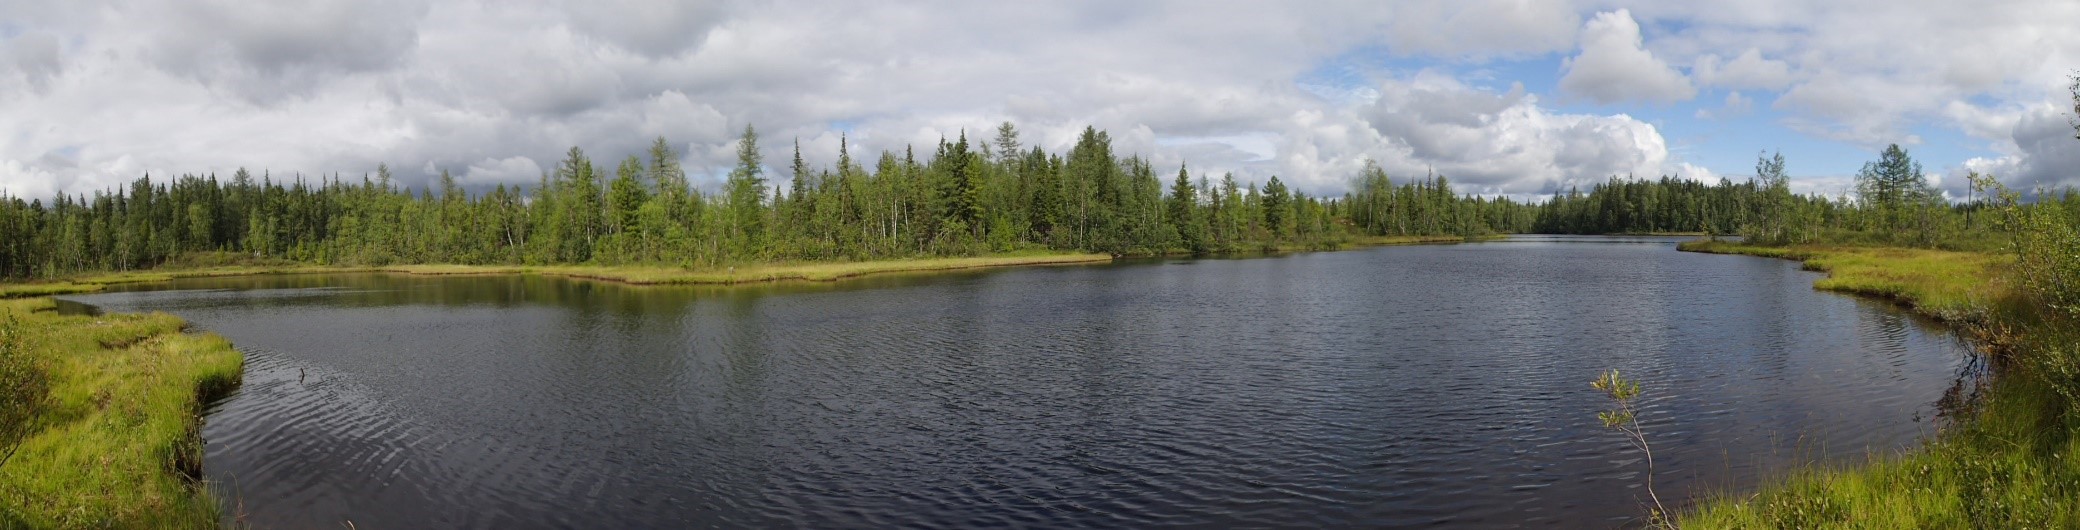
column 1998, row 267
column 220, row 264
column 961, row 201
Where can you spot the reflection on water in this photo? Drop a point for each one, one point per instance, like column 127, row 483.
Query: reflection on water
column 1386, row 387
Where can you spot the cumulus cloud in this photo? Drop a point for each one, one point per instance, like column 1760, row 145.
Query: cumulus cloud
column 1861, row 110
column 2046, row 156
column 97, row 93
column 29, row 181
column 1505, row 142
column 1613, row 66
column 517, row 170
column 1870, row 74
column 1747, row 70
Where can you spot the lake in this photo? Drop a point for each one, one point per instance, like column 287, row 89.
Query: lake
column 1395, row 386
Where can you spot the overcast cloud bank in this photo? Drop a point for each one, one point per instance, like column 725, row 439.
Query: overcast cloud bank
column 97, row 93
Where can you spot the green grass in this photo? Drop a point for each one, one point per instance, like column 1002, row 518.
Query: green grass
column 2011, row 465
column 2006, row 458
column 1952, row 286
column 633, row 274
column 1376, row 241
column 31, row 290
column 118, row 447
column 1372, row 241
column 1692, row 233
column 812, row 271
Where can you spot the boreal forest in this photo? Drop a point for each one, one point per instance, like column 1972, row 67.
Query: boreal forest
column 962, row 197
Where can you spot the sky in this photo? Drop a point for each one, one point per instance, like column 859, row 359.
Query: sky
column 1504, row 97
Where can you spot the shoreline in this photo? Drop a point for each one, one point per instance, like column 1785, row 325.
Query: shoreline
column 1949, row 286
column 118, row 443
column 1353, row 244
column 156, row 377
column 2003, row 460
column 656, row 275
column 770, row 273
column 631, row 275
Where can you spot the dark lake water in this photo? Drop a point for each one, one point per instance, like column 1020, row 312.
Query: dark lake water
column 1401, row 386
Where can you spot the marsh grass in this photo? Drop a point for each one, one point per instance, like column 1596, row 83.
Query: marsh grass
column 2008, row 458
column 1948, row 285
column 1324, row 244
column 118, row 444
column 634, row 274
column 2012, row 465
column 1381, row 241
column 31, row 290
column 814, row 271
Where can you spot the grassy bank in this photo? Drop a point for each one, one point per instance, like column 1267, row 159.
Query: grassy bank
column 1691, row 233
column 116, row 444
column 2009, row 459
column 639, row 275
column 814, row 271
column 1951, row 286
column 1382, row 241
column 1324, row 245
column 821, row 271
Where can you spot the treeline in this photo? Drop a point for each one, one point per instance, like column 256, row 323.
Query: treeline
column 1762, row 208
column 1893, row 204
column 1377, row 206
column 962, row 198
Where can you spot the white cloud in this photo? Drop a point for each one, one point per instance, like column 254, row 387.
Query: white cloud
column 655, row 29
column 1502, row 142
column 1748, row 70
column 1982, row 122
column 1736, row 105
column 33, row 56
column 1868, row 74
column 1482, row 28
column 97, row 93
column 1613, row 66
column 266, row 51
column 29, row 181
column 1862, row 110
column 2045, row 156
column 518, row 170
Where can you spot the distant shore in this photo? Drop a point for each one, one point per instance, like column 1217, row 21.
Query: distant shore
column 817, row 271
column 635, row 275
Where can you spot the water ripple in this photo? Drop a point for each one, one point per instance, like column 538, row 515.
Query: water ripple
column 1410, row 386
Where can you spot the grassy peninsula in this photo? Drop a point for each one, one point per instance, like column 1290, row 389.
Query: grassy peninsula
column 115, row 442
column 1952, row 286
